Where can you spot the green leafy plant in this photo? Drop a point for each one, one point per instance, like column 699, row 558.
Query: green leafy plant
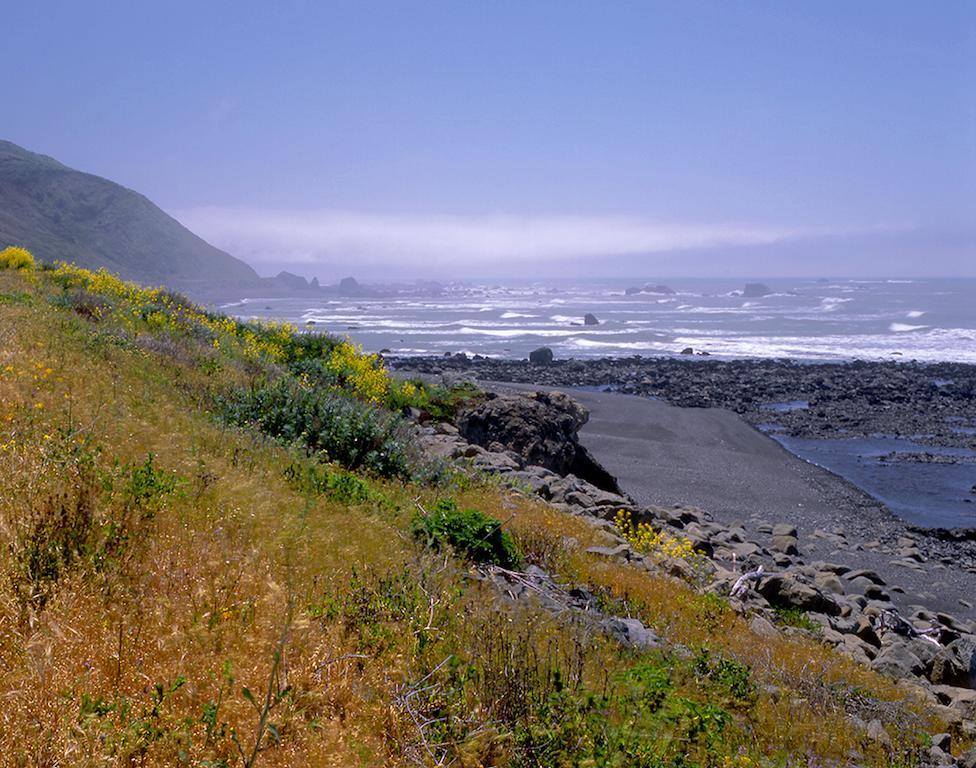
column 335, row 483
column 339, row 428
column 732, row 676
column 796, row 617
column 470, row 532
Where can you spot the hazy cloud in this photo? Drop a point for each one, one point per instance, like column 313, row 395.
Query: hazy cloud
column 430, row 241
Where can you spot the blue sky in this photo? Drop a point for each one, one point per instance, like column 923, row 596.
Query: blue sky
column 425, row 137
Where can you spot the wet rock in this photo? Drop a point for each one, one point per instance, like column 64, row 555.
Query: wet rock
column 658, row 289
column 756, row 290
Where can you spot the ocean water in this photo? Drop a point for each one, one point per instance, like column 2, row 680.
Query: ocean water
column 884, row 319
column 928, row 495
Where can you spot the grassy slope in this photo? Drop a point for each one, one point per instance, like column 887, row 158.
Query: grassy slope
column 232, row 587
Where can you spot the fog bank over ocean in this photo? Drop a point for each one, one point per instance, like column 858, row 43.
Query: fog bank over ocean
column 870, row 319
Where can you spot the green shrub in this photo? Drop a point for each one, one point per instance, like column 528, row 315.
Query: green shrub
column 339, row 428
column 470, row 532
column 335, row 483
column 728, row 674
column 796, row 617
column 314, row 372
column 86, row 304
column 16, row 297
column 309, row 346
column 439, row 402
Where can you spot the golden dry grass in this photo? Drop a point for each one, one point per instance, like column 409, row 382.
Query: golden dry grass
column 122, row 662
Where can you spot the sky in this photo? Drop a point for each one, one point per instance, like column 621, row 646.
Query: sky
column 428, row 139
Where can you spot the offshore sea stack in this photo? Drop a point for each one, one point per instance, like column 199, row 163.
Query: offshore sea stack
column 756, row 290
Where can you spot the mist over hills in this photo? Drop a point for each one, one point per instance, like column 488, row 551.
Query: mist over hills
column 63, row 214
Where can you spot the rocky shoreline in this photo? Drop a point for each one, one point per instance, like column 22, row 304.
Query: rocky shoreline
column 933, row 403
column 764, row 572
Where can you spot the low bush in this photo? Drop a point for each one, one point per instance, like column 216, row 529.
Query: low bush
column 337, row 484
column 726, row 673
column 88, row 305
column 438, row 402
column 16, row 297
column 14, row 257
column 339, row 428
column 660, row 544
column 796, row 617
column 470, row 532
column 361, row 373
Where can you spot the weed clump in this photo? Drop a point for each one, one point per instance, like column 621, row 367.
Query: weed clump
column 90, row 518
column 470, row 532
column 796, row 617
column 337, row 484
column 660, row 544
column 364, row 374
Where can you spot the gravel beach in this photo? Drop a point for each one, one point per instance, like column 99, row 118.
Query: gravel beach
column 714, row 459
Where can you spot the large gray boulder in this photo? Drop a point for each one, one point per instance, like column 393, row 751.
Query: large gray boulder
column 542, row 428
column 541, row 356
column 896, row 660
column 956, row 664
column 784, row 590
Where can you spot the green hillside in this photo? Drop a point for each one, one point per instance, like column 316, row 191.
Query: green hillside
column 62, row 214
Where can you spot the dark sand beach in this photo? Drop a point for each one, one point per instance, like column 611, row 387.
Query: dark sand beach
column 713, row 459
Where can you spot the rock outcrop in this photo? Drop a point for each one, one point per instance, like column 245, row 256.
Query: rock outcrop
column 542, row 428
